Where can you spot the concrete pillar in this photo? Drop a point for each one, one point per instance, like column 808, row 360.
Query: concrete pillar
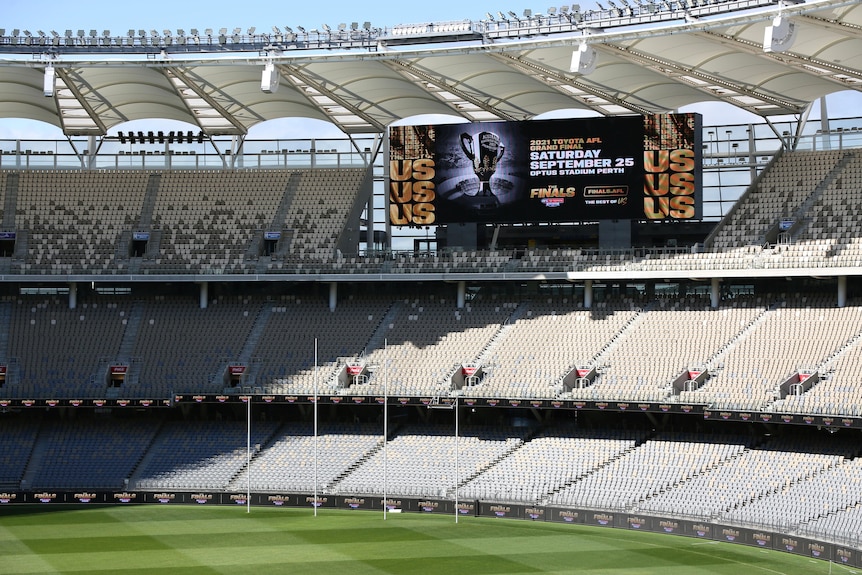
column 333, row 295
column 462, row 294
column 73, row 295
column 715, row 293
column 204, row 294
column 842, row 291
column 588, row 294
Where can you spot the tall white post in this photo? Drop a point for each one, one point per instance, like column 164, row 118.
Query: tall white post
column 248, row 455
column 457, row 466
column 315, row 427
column 385, row 425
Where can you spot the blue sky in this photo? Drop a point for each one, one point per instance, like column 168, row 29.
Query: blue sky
column 164, row 14
column 100, row 15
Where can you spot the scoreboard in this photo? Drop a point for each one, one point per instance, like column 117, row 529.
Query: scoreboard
column 568, row 170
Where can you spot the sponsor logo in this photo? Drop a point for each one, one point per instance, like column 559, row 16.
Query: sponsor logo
column 603, row 518
column 8, row 497
column 316, row 502
column 201, row 498
column 668, row 526
column 239, row 498
column 45, row 497
column 745, row 416
column 428, row 506
column 643, row 406
column 125, row 497
column 636, row 522
column 816, row 549
column 84, row 497
column 278, row 500
column 164, row 497
column 354, row 502
column 602, row 405
column 762, row 539
column 568, row 516
column 500, row 510
column 268, row 398
column 534, row 513
column 199, row 398
column 623, row 406
column 701, row 530
column 730, row 534
column 789, row 543
column 664, row 407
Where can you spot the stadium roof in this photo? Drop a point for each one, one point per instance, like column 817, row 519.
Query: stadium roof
column 649, row 58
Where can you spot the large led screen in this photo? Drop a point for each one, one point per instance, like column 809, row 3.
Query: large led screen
column 572, row 170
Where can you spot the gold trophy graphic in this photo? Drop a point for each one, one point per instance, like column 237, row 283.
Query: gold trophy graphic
column 484, row 149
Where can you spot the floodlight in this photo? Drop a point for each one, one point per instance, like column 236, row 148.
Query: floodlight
column 780, row 35
column 301, row 29
column 80, row 33
column 251, row 31
column 275, row 30
column 528, row 13
column 552, row 10
column 288, row 29
column 366, row 25
column 583, row 59
column 489, row 16
column 354, row 25
column 48, row 83
column 342, row 27
column 327, row 28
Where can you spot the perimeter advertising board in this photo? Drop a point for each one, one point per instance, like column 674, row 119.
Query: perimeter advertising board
column 567, row 170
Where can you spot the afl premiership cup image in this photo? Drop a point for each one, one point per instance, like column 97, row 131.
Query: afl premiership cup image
column 484, row 149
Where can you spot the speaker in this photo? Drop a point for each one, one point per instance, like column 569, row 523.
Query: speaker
column 269, row 79
column 780, row 35
column 48, row 85
column 583, row 59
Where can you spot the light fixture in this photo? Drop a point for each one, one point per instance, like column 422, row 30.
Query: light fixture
column 779, row 36
column 48, row 84
column 583, row 59
column 269, row 78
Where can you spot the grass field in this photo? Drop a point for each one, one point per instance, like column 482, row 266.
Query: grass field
column 228, row 540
